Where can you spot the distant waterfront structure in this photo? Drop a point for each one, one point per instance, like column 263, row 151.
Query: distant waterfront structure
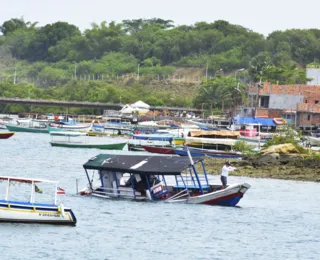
column 313, row 72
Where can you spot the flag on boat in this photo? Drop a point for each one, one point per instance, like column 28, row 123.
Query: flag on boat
column 60, row 191
column 37, row 189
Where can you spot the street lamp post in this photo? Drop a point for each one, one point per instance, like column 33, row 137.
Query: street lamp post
column 15, row 76
column 235, row 74
column 202, row 110
column 207, row 71
column 138, row 71
column 75, row 70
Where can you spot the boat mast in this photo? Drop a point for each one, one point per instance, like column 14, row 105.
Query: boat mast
column 32, row 192
column 55, row 194
column 8, row 190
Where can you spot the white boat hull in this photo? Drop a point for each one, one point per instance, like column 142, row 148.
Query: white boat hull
column 314, row 140
column 36, row 213
column 225, row 141
column 229, row 196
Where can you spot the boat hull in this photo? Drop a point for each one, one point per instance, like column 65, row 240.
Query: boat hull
column 213, row 154
column 116, row 146
column 314, row 140
column 229, row 196
column 163, row 150
column 17, row 212
column 153, row 137
column 179, row 141
column 16, row 128
column 6, row 135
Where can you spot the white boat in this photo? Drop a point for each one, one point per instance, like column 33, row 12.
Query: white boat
column 315, row 141
column 82, row 140
column 30, row 211
column 213, row 141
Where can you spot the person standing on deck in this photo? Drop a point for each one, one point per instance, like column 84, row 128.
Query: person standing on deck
column 225, row 172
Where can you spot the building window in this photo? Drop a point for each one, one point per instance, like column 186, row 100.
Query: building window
column 309, row 116
column 316, row 101
column 264, row 102
column 306, row 101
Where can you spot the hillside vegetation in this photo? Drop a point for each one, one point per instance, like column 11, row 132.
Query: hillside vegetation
column 149, row 59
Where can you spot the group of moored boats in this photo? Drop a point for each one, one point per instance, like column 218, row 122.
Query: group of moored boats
column 158, row 174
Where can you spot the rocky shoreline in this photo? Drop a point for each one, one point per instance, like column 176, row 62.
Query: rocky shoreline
column 274, row 164
column 300, row 170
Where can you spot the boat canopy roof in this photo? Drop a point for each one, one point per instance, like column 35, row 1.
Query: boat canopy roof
column 140, row 164
column 67, row 133
column 200, row 133
column 24, row 180
column 255, row 120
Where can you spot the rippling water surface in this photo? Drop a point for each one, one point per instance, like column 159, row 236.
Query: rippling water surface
column 276, row 219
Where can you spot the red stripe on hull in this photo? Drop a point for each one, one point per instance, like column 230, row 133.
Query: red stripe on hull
column 215, row 201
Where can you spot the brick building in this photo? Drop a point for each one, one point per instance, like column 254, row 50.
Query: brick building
column 299, row 103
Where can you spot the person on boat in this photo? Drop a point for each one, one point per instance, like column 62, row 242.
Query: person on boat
column 225, row 172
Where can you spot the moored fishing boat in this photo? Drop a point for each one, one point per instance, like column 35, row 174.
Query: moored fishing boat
column 30, row 126
column 207, row 152
column 6, row 135
column 12, row 210
column 148, row 178
column 154, row 137
column 81, row 140
column 218, row 140
column 162, row 150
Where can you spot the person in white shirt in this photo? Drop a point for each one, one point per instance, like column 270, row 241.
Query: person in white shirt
column 225, row 172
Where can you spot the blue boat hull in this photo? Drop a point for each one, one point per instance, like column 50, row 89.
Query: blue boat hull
column 202, row 154
column 153, row 137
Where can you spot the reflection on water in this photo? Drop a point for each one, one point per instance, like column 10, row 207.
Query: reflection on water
column 275, row 220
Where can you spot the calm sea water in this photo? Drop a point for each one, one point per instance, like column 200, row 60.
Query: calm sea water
column 275, row 220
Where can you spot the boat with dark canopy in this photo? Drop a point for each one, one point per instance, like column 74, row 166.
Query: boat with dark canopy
column 169, row 178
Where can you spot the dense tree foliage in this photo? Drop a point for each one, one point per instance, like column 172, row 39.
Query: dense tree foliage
column 56, row 54
column 220, row 92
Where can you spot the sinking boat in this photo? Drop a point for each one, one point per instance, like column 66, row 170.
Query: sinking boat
column 143, row 177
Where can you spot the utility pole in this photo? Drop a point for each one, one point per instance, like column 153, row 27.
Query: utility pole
column 202, row 110
column 138, row 71
column 75, row 70
column 207, row 71
column 15, row 76
column 260, row 86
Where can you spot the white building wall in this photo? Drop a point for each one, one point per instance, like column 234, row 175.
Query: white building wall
column 314, row 74
column 283, row 101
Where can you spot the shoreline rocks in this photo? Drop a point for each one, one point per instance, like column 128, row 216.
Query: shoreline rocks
column 277, row 162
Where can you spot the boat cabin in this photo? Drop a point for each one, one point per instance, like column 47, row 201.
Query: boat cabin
column 145, row 177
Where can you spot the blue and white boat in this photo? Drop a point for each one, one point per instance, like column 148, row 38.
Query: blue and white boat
column 30, row 211
column 154, row 137
column 171, row 179
column 195, row 152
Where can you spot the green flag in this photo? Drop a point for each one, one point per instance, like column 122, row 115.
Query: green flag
column 37, row 189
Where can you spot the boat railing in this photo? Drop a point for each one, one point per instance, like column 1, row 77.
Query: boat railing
column 179, row 195
column 192, row 179
column 112, row 192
